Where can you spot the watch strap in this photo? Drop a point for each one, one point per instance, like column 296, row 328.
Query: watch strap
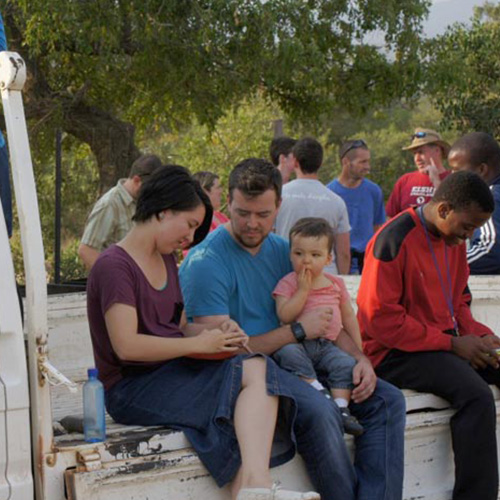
column 298, row 331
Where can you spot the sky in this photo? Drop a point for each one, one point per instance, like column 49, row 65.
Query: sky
column 446, row 12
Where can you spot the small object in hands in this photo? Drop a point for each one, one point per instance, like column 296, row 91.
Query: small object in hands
column 247, row 349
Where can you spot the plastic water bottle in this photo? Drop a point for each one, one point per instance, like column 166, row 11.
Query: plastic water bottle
column 94, row 424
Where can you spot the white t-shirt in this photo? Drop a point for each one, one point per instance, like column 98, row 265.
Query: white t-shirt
column 310, row 198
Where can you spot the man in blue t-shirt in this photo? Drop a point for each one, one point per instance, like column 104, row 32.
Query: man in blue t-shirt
column 364, row 198
column 232, row 274
column 5, row 192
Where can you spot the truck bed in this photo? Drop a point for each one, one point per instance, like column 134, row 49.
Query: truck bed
column 157, row 462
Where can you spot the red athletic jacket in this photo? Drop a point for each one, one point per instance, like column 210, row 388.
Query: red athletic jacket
column 401, row 304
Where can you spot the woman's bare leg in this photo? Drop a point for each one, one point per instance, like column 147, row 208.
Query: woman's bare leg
column 254, row 420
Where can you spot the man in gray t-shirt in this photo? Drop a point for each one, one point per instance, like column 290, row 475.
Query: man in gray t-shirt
column 306, row 196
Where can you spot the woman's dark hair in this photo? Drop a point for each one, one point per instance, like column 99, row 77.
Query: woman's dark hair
column 206, row 179
column 171, row 187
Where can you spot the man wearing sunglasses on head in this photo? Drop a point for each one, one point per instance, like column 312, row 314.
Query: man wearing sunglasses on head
column 416, row 188
column 364, row 198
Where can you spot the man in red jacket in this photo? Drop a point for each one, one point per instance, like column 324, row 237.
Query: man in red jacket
column 418, row 330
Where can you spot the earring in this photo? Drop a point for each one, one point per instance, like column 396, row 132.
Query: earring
column 161, row 215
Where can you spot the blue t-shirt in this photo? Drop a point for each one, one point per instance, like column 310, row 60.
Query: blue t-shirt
column 365, row 206
column 219, row 277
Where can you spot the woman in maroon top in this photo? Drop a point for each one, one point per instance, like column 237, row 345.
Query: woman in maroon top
column 149, row 358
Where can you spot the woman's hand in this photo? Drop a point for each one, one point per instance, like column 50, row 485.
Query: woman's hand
column 217, row 340
column 230, row 325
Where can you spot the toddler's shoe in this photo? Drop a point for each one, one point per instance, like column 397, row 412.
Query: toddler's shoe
column 326, row 393
column 351, row 424
column 275, row 493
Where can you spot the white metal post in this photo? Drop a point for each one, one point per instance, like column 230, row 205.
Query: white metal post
column 12, row 79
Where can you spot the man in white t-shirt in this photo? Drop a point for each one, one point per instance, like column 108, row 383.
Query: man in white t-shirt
column 306, row 196
column 281, row 156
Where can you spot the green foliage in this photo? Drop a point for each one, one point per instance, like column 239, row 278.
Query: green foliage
column 245, row 132
column 463, row 73
column 78, row 194
column 165, row 62
column 228, row 67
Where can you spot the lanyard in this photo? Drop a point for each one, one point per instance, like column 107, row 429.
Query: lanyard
column 448, row 295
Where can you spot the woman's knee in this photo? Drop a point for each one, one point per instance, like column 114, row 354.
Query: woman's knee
column 254, row 370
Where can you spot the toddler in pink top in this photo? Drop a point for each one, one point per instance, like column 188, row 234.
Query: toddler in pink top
column 307, row 288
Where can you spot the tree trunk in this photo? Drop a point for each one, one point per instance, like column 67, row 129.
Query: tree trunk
column 111, row 140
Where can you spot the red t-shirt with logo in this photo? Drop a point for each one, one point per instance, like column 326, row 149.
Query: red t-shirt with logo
column 411, row 190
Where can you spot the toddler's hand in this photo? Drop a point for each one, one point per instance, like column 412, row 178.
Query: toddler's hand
column 304, row 279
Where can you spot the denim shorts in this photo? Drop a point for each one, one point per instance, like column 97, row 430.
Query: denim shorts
column 198, row 397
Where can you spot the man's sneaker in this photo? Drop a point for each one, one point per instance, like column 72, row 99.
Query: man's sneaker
column 275, row 493
column 351, row 424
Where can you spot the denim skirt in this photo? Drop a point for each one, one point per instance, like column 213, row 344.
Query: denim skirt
column 198, row 397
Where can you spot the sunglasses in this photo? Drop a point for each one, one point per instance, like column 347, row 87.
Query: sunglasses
column 421, row 135
column 349, row 146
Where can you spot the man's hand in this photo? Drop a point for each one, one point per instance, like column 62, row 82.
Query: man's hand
column 477, row 350
column 492, row 341
column 316, row 323
column 433, row 173
column 364, row 379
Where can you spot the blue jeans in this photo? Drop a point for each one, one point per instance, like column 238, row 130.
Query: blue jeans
column 377, row 473
column 318, row 358
column 379, row 458
column 379, row 455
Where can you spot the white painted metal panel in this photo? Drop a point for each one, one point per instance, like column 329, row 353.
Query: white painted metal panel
column 180, row 476
column 12, row 79
column 4, row 484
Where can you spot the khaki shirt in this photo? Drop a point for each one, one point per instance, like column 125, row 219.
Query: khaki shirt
column 110, row 219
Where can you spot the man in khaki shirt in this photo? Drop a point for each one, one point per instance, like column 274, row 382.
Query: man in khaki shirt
column 111, row 217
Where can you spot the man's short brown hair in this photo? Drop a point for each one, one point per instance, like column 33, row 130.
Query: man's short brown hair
column 144, row 166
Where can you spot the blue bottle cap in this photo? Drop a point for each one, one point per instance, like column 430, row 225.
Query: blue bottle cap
column 92, row 372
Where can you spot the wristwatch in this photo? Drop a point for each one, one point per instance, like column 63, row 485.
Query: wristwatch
column 298, row 331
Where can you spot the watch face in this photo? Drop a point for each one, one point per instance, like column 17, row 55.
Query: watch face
column 298, row 332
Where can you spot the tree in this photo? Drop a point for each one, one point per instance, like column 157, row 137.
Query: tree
column 463, row 73
column 100, row 69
